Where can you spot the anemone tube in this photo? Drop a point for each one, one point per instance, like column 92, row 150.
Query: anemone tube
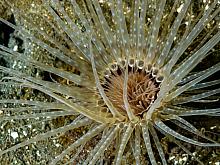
column 132, row 75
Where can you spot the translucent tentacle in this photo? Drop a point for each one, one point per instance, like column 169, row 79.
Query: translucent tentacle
column 130, row 114
column 72, row 91
column 81, row 16
column 77, row 58
column 135, row 30
column 36, row 115
column 122, row 28
column 83, row 139
column 125, row 137
column 196, row 97
column 175, row 134
column 55, row 52
column 72, row 160
column 137, row 148
column 204, row 85
column 185, row 42
column 191, row 77
column 105, row 134
column 186, row 150
column 154, row 31
column 77, row 32
column 180, row 145
column 98, row 116
column 33, row 108
column 158, row 145
column 114, row 112
column 104, row 145
column 141, row 33
column 193, row 60
column 190, row 111
column 75, row 124
column 77, row 41
column 183, row 88
column 189, row 127
column 172, row 34
column 64, row 74
column 200, row 112
column 147, row 141
column 106, row 30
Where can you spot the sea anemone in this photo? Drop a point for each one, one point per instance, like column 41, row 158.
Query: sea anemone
column 130, row 73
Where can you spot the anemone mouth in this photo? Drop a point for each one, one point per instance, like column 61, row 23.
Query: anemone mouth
column 143, row 85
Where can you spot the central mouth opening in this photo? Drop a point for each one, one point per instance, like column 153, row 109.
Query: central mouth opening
column 143, row 85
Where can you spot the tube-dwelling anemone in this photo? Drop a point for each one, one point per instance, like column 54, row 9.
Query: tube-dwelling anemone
column 134, row 70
